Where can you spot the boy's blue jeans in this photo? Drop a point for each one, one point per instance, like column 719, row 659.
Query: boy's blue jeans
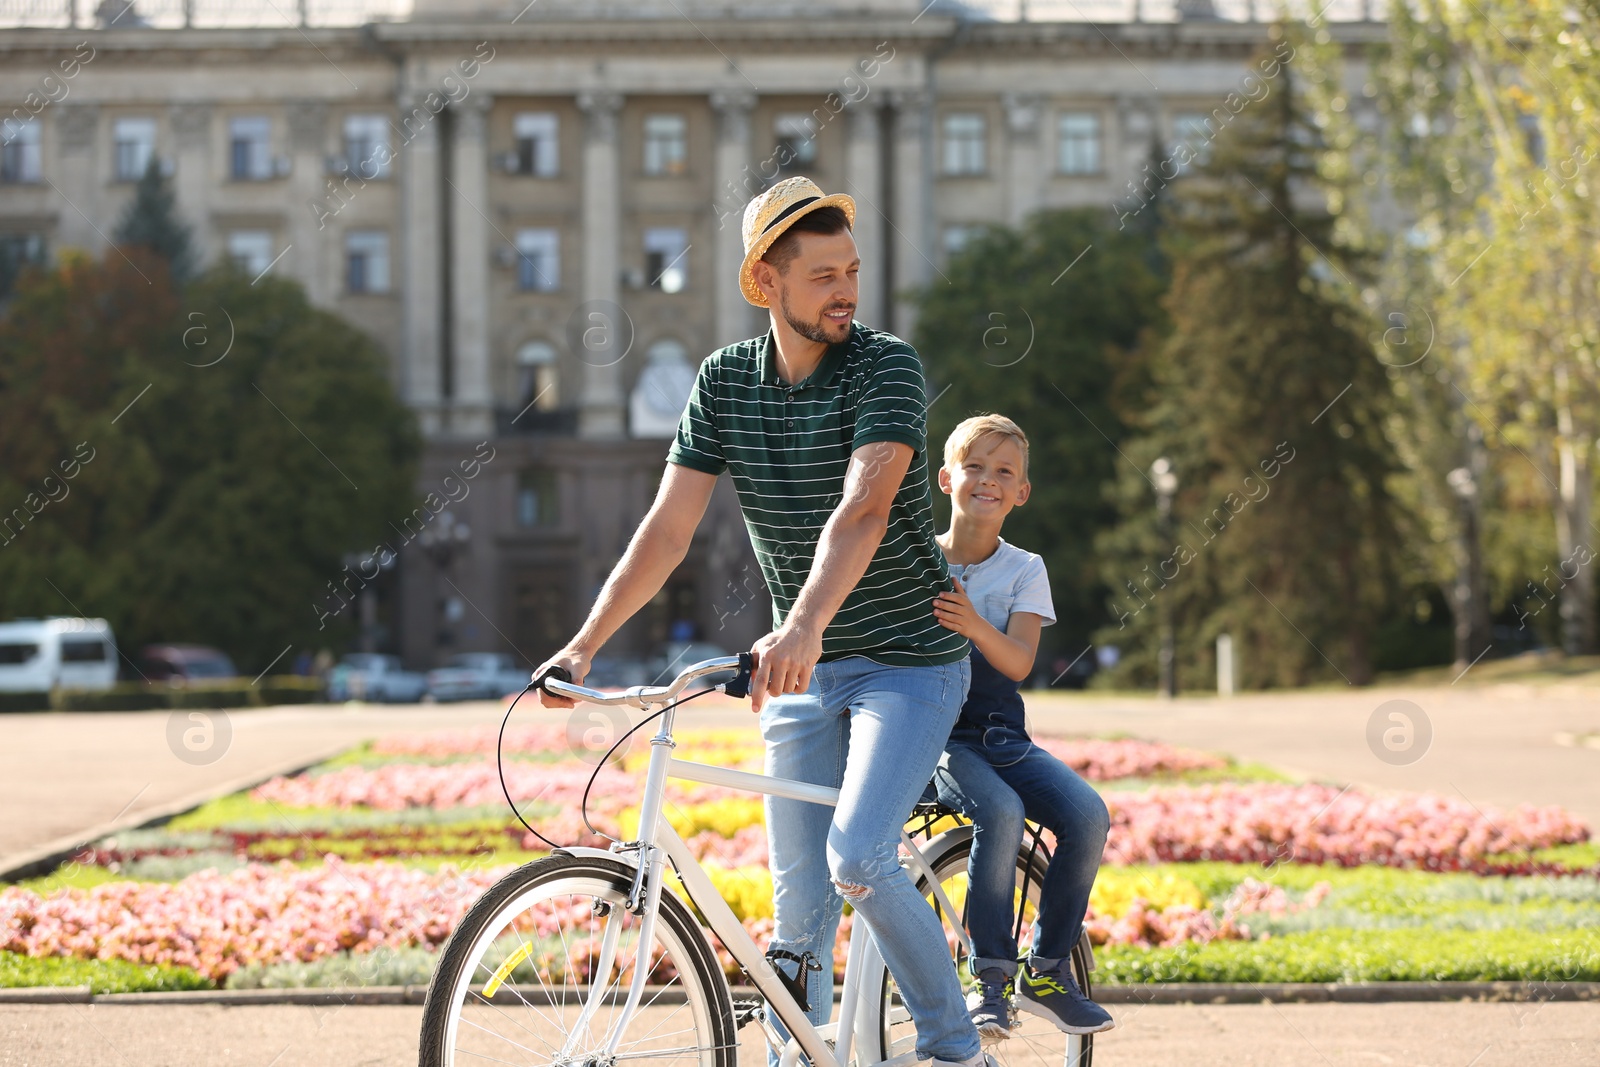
column 997, row 780
column 875, row 733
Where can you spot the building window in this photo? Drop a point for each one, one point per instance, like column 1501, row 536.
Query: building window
column 250, row 250
column 666, row 265
column 537, row 503
column 664, row 144
column 250, row 149
column 366, row 145
column 1078, row 151
column 17, row 252
column 538, row 261
column 538, row 377
column 797, row 142
column 956, row 238
column 964, row 143
column 135, row 141
column 537, row 153
column 366, row 259
column 1193, row 132
column 19, row 151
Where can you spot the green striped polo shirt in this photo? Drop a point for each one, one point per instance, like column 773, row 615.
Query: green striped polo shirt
column 787, row 448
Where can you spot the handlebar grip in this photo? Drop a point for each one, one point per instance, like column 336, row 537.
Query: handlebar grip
column 739, row 686
column 560, row 674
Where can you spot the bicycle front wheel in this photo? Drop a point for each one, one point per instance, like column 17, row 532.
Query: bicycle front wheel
column 539, row 970
column 1034, row 1042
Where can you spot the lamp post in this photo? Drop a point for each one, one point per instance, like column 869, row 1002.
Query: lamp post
column 444, row 539
column 1165, row 480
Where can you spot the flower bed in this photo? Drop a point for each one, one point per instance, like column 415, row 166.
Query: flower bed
column 279, row 887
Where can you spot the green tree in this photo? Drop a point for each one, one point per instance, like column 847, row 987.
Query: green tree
column 1270, row 408
column 1532, row 306
column 1039, row 325
column 230, row 447
column 151, row 221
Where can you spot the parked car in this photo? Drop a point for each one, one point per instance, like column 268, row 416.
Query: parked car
column 477, row 676
column 375, row 677
column 37, row 655
column 181, row 664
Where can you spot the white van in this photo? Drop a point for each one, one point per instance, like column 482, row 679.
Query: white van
column 37, row 655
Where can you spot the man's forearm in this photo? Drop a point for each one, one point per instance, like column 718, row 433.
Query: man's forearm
column 848, row 543
column 649, row 561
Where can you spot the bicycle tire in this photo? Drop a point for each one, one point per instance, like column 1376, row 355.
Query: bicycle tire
column 1037, row 1040
column 555, row 889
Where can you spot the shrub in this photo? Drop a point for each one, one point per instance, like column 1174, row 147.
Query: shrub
column 288, row 689
column 24, row 702
column 124, row 696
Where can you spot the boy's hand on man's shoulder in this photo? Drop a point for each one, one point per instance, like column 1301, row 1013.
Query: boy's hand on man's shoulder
column 955, row 611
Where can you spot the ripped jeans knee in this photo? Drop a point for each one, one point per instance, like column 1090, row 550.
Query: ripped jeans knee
column 857, row 871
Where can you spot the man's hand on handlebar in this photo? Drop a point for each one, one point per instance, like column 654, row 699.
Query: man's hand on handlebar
column 784, row 661
column 576, row 664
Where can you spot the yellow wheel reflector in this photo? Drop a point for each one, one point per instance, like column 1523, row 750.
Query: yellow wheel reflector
column 504, row 970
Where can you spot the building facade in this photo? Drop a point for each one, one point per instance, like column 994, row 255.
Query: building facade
column 537, row 215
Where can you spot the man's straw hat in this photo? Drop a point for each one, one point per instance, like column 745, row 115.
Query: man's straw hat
column 774, row 211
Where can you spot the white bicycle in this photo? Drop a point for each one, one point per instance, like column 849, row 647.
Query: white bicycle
column 581, row 960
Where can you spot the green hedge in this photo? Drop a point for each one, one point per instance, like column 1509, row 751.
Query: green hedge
column 1410, row 954
column 24, row 702
column 229, row 693
column 101, row 976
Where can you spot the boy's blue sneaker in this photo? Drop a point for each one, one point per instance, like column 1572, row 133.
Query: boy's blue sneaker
column 1055, row 995
column 990, row 1003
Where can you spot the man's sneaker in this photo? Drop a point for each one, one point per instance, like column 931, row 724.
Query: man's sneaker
column 1056, row 996
column 991, row 1004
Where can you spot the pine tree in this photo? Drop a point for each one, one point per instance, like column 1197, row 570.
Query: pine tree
column 151, row 221
column 1270, row 405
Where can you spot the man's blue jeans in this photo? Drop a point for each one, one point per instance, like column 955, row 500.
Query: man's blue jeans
column 875, row 733
column 997, row 780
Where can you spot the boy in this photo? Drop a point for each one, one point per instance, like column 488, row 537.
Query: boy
column 991, row 771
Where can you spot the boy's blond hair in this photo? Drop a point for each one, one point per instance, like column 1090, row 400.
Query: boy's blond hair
column 973, row 430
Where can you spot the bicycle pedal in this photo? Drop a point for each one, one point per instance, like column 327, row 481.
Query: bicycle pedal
column 746, row 1012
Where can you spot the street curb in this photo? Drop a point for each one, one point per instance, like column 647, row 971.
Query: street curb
column 42, row 859
column 1162, row 993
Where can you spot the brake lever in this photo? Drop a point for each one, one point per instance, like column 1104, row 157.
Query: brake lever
column 739, row 684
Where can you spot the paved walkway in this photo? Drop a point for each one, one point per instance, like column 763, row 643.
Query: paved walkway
column 1266, row 1035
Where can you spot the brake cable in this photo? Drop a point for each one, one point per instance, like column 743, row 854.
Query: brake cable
column 583, row 810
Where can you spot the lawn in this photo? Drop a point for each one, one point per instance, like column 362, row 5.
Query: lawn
column 356, row 871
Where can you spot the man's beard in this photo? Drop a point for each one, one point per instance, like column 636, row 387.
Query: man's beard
column 811, row 331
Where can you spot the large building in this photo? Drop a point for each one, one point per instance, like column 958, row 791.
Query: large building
column 536, row 210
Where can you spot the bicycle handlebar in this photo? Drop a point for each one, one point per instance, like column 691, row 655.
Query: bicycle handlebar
column 558, row 682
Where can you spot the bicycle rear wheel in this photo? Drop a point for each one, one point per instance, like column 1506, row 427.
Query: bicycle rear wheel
column 540, row 967
column 1034, row 1042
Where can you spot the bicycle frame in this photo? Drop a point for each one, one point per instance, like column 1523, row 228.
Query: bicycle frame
column 658, row 842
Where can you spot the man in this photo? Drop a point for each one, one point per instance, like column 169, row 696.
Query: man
column 822, row 425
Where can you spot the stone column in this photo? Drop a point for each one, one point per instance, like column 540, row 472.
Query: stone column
column 77, row 174
column 418, row 172
column 193, row 176
column 910, row 259
column 470, row 407
column 1024, row 163
column 863, row 170
column 734, row 315
column 601, row 322
column 313, row 237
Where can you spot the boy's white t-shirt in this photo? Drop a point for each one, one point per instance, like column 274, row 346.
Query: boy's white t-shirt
column 1011, row 580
